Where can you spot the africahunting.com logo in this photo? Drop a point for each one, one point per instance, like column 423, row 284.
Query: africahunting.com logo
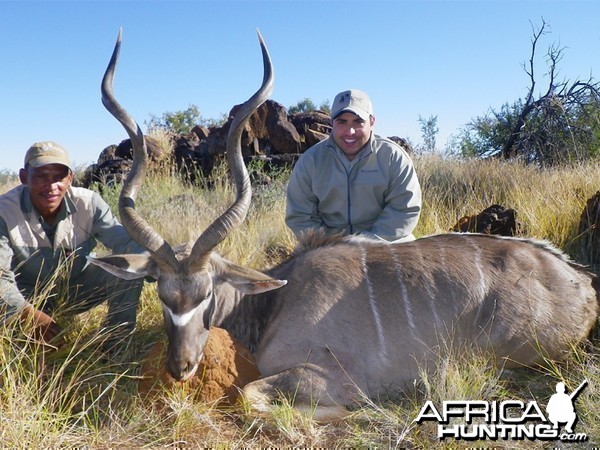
column 508, row 419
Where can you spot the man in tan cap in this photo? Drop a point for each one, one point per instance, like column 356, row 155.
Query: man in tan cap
column 47, row 230
column 354, row 182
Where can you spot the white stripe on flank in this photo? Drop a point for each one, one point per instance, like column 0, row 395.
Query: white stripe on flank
column 432, row 291
column 477, row 258
column 481, row 289
column 378, row 326
column 404, row 292
column 181, row 320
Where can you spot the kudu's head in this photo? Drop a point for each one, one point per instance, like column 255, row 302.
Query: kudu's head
column 186, row 281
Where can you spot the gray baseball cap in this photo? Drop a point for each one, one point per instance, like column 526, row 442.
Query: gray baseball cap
column 354, row 101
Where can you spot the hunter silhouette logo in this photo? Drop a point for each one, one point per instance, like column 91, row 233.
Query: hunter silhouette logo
column 560, row 407
column 507, row 419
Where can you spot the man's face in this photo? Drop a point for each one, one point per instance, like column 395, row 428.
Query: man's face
column 351, row 133
column 47, row 187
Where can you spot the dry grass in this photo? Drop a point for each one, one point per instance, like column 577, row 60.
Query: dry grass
column 8, row 181
column 74, row 398
column 548, row 202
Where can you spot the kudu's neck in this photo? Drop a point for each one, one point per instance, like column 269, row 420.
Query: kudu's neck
column 244, row 316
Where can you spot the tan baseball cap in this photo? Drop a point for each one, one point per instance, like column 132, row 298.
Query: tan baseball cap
column 354, row 101
column 46, row 152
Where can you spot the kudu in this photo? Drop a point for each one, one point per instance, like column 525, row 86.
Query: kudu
column 356, row 315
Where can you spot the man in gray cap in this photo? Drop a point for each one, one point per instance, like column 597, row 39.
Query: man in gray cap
column 47, row 230
column 354, row 182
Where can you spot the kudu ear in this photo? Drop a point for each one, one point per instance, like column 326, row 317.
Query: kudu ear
column 127, row 267
column 245, row 280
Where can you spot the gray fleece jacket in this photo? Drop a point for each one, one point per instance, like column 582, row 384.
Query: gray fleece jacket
column 376, row 194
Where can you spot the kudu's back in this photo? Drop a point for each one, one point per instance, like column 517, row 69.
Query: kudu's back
column 380, row 311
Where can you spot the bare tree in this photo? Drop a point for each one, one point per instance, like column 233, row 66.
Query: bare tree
column 543, row 124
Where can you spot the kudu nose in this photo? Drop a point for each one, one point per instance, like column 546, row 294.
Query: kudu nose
column 182, row 369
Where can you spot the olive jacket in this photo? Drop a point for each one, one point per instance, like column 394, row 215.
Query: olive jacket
column 33, row 253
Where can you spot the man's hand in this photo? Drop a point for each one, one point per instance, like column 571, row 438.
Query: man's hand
column 43, row 327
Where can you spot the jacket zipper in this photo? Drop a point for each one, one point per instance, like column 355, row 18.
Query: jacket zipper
column 348, row 173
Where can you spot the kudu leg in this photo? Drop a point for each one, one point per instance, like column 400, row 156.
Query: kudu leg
column 310, row 388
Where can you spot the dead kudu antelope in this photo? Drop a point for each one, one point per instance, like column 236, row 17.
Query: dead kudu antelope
column 356, row 315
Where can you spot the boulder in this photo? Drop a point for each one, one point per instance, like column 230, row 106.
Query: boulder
column 201, row 131
column 188, row 160
column 312, row 126
column 269, row 131
column 108, row 154
column 311, row 120
column 153, row 147
column 495, row 219
column 404, row 143
column 312, row 137
column 115, row 161
column 111, row 171
column 216, row 142
column 226, row 367
column 282, row 135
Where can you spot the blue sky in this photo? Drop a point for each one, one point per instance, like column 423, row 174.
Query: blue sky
column 450, row 59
